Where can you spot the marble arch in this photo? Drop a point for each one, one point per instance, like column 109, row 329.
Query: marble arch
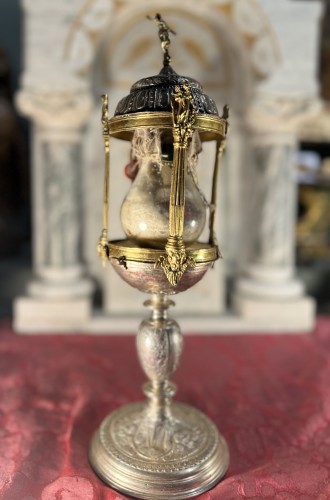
column 240, row 32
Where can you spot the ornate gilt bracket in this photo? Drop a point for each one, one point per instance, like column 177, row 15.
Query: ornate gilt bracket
column 184, row 115
column 103, row 247
column 175, row 261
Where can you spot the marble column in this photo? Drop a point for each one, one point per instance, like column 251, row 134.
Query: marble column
column 59, row 295
column 268, row 290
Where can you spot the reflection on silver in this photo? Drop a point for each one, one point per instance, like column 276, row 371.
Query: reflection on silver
column 159, row 449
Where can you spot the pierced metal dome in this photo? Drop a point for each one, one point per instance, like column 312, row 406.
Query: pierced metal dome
column 154, row 94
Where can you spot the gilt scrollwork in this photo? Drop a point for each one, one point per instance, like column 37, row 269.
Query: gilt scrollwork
column 184, row 114
column 103, row 247
column 175, row 261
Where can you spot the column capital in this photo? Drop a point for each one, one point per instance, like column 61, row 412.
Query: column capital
column 56, row 108
column 279, row 117
column 317, row 127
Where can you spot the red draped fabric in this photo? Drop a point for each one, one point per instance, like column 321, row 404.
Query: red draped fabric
column 268, row 394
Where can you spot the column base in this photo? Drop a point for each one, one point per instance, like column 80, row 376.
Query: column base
column 179, row 457
column 51, row 315
column 294, row 312
column 57, row 300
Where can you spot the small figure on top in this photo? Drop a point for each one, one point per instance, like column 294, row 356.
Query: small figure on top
column 164, row 35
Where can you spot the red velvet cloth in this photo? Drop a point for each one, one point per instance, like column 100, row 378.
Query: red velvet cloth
column 268, row 395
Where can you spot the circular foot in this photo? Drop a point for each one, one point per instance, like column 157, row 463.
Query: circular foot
column 179, row 456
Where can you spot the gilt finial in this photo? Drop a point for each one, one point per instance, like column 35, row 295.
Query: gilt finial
column 164, row 36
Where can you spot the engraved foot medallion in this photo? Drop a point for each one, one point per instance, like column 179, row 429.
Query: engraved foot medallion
column 179, row 457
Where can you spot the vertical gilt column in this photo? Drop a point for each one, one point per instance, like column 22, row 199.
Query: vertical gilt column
column 268, row 290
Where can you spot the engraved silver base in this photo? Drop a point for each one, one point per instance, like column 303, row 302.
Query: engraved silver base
column 159, row 449
column 179, row 457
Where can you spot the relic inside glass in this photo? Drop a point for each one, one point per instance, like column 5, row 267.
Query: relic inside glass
column 160, row 449
column 145, row 210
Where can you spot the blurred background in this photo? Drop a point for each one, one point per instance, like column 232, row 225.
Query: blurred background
column 15, row 162
column 269, row 60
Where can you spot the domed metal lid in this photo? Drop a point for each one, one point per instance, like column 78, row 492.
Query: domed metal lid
column 154, row 93
column 149, row 103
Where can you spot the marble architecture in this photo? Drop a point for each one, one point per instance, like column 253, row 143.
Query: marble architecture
column 257, row 56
